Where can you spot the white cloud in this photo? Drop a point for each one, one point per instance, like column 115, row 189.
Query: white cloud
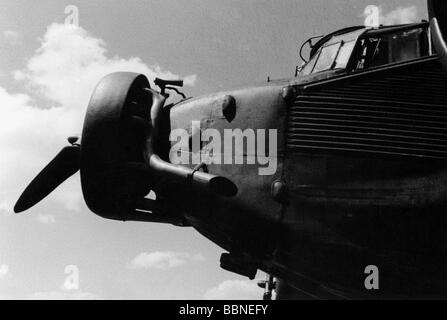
column 4, row 271
column 235, row 290
column 70, row 62
column 12, row 36
column 46, row 218
column 62, row 295
column 162, row 260
column 57, row 84
column 28, row 140
column 401, row 15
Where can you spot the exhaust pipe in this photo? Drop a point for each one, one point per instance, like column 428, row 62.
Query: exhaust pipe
column 195, row 178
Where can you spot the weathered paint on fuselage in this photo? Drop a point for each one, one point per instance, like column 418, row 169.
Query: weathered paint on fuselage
column 247, row 221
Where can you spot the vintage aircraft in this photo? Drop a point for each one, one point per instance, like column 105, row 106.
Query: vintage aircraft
column 361, row 171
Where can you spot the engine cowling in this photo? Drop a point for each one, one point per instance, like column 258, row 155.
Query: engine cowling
column 113, row 173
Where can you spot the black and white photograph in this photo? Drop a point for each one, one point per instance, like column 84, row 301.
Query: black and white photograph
column 223, row 150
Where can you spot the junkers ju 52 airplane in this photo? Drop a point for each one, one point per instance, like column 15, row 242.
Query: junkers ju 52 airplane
column 361, row 173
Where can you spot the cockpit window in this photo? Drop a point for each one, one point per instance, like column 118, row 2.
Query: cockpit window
column 408, row 45
column 373, row 48
column 334, row 54
column 386, row 48
column 327, row 57
column 344, row 55
column 331, row 56
column 308, row 67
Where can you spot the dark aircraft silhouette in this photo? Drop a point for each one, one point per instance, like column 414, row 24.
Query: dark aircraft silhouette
column 361, row 171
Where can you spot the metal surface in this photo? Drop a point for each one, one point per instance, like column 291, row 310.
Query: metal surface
column 397, row 111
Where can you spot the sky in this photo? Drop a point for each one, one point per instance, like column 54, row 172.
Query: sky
column 49, row 68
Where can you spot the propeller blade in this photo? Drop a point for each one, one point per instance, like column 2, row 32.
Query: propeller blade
column 62, row 167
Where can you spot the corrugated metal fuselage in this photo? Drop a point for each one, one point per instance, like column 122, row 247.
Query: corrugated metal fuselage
column 363, row 158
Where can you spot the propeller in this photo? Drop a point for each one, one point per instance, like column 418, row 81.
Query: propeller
column 62, row 167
